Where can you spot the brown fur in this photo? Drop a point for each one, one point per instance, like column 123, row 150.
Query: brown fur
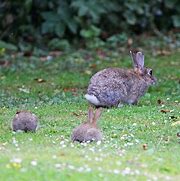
column 88, row 131
column 24, row 121
column 114, row 86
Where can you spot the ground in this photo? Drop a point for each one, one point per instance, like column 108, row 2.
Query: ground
column 140, row 142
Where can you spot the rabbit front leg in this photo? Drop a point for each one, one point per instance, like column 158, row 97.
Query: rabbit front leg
column 120, row 104
column 132, row 101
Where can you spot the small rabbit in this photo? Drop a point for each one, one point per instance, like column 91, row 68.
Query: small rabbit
column 115, row 86
column 88, row 131
column 24, row 121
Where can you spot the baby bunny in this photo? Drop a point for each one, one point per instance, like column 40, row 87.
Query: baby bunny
column 88, row 131
column 24, row 121
column 116, row 86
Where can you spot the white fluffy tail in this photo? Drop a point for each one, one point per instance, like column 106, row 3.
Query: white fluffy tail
column 92, row 99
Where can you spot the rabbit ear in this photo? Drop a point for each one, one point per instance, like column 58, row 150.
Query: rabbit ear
column 138, row 59
column 90, row 115
column 97, row 114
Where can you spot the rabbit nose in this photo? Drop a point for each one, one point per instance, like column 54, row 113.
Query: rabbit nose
column 155, row 80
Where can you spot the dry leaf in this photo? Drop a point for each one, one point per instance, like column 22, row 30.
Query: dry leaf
column 176, row 123
column 78, row 114
column 39, row 80
column 93, row 66
column 145, row 147
column 159, row 101
column 55, row 53
column 130, row 41
column 164, row 110
column 163, row 52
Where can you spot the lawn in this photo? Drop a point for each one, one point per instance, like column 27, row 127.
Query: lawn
column 139, row 143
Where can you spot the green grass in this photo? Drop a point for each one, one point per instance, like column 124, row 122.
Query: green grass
column 58, row 102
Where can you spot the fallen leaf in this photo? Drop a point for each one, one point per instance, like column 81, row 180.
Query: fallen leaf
column 4, row 63
column 70, row 89
column 78, row 114
column 159, row 101
column 93, row 66
column 39, row 80
column 101, row 53
column 88, row 72
column 55, row 53
column 145, row 147
column 164, row 110
column 45, row 58
column 176, row 123
column 163, row 52
column 130, row 42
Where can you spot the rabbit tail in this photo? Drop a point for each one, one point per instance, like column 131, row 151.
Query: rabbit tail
column 92, row 99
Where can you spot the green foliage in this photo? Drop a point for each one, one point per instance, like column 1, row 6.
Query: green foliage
column 117, row 39
column 56, row 44
column 91, row 32
column 37, row 21
column 8, row 46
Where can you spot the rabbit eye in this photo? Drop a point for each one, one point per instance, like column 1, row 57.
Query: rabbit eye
column 150, row 72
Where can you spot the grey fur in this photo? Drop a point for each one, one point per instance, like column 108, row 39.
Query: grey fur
column 88, row 131
column 116, row 86
column 24, row 121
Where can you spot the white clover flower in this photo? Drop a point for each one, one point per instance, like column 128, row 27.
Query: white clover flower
column 54, row 156
column 92, row 149
column 18, row 149
column 137, row 172
column 98, row 142
column 33, row 162
column 63, row 146
column 99, row 169
column 126, row 171
column 84, row 144
column 14, row 140
column 71, row 167
column 62, row 143
column 130, row 144
column 16, row 160
column 118, row 163
column 115, row 171
column 153, row 123
column 122, row 138
column 88, row 169
column 80, row 169
column 137, row 141
column 58, row 165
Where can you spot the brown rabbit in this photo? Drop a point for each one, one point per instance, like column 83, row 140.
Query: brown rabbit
column 24, row 121
column 88, row 131
column 115, row 86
